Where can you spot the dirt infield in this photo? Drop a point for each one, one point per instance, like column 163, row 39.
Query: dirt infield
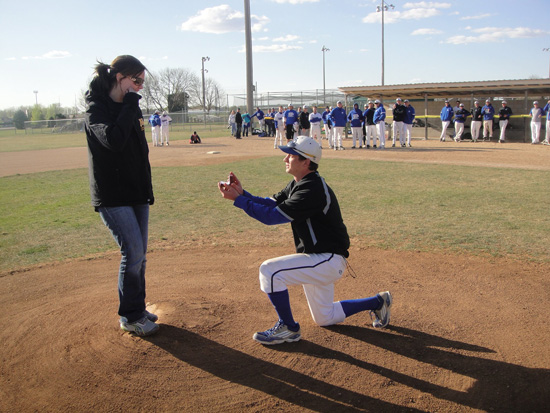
column 508, row 155
column 467, row 333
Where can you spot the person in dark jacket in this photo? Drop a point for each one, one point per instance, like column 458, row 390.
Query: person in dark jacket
column 195, row 138
column 477, row 119
column 239, row 122
column 305, row 124
column 503, row 118
column 120, row 179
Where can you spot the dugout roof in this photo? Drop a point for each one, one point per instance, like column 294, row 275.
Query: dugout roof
column 489, row 88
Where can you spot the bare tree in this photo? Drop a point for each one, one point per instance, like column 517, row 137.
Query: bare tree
column 167, row 82
column 213, row 93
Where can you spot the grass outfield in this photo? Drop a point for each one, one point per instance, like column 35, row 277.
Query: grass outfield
column 21, row 141
column 402, row 206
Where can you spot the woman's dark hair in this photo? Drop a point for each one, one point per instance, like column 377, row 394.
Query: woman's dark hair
column 105, row 75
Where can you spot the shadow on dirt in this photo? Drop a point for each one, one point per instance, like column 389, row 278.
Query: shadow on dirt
column 277, row 381
column 499, row 386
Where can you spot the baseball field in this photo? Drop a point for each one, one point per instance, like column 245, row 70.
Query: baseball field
column 459, row 233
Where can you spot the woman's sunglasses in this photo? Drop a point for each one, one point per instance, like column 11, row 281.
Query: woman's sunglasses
column 138, row 81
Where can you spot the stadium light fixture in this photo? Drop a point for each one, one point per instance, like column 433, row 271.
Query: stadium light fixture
column 36, row 96
column 381, row 9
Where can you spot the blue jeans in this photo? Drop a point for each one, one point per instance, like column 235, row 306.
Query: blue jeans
column 129, row 226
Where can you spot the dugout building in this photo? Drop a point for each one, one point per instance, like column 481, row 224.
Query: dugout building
column 429, row 98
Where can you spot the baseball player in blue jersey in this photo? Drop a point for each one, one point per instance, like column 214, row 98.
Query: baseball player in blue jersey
column 261, row 118
column 410, row 114
column 446, row 116
column 321, row 241
column 379, row 120
column 460, row 117
column 355, row 117
column 339, row 118
column 546, row 110
column 290, row 118
column 488, row 115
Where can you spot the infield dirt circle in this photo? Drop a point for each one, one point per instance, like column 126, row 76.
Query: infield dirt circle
column 467, row 333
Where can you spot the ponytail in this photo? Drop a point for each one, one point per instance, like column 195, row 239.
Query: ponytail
column 105, row 75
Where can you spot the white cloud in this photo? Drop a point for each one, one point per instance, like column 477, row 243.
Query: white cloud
column 56, row 54
column 413, row 11
column 272, row 48
column 497, row 35
column 287, row 38
column 222, row 19
column 426, row 5
column 10, row 58
column 425, row 32
column 295, row 1
column 477, row 17
column 53, row 54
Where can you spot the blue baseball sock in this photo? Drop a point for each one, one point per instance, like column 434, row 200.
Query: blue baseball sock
column 281, row 302
column 352, row 307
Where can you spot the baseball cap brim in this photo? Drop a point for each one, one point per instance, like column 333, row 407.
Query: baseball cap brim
column 303, row 146
column 288, row 150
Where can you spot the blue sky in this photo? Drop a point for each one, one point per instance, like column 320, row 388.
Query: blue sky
column 53, row 50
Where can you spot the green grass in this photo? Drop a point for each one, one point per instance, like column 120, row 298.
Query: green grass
column 11, row 141
column 498, row 212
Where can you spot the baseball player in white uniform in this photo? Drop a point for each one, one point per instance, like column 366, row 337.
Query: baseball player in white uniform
column 165, row 128
column 315, row 120
column 321, row 241
column 154, row 121
column 536, row 115
column 279, row 120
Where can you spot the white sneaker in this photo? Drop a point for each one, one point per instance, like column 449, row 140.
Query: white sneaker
column 142, row 327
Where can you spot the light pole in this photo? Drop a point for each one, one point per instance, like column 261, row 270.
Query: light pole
column 324, row 49
column 547, row 49
column 249, row 66
column 204, row 59
column 383, row 7
column 36, row 96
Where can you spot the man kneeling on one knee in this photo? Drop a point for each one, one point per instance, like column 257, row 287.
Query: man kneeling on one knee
column 321, row 241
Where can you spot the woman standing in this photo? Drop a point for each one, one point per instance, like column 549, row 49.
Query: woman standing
column 232, row 123
column 120, row 179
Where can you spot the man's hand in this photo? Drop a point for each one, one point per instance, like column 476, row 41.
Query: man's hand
column 235, row 183
column 232, row 188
